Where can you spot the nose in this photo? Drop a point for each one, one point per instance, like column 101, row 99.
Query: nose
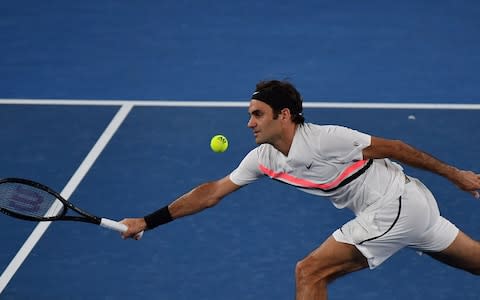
column 251, row 123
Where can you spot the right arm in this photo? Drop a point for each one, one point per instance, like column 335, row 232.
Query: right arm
column 201, row 197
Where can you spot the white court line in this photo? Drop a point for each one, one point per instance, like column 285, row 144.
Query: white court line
column 72, row 184
column 306, row 104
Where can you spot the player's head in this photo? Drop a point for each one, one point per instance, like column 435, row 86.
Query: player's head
column 279, row 95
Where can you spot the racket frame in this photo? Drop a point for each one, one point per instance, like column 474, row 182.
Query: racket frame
column 83, row 215
column 61, row 216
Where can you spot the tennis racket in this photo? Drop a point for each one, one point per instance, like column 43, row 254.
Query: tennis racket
column 29, row 200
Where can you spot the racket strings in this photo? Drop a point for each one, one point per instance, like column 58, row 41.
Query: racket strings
column 29, row 201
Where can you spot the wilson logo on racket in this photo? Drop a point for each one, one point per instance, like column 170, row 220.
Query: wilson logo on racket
column 25, row 200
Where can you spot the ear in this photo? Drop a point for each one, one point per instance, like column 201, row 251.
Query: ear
column 285, row 114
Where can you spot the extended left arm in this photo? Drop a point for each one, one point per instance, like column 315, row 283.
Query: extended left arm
column 402, row 152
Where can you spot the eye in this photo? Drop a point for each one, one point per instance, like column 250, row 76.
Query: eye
column 257, row 113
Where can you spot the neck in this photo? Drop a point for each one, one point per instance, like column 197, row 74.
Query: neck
column 285, row 142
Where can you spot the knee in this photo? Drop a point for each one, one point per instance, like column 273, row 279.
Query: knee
column 307, row 273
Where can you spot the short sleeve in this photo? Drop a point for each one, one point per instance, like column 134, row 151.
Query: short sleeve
column 247, row 171
column 343, row 144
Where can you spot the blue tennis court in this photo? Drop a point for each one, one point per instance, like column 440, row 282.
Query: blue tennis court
column 118, row 156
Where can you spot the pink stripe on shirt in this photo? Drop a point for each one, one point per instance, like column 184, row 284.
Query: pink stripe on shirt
column 309, row 184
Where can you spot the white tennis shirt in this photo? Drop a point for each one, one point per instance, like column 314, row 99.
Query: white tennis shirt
column 327, row 160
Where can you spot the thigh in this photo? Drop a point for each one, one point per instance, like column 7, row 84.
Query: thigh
column 463, row 253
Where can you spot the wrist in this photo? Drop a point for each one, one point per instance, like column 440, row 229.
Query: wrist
column 452, row 173
column 157, row 218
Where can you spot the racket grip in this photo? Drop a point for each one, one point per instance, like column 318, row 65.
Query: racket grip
column 117, row 226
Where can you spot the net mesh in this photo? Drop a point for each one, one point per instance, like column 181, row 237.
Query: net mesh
column 29, row 201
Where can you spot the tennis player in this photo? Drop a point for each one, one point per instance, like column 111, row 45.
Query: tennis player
column 353, row 169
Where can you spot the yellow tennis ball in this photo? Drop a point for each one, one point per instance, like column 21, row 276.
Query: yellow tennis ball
column 219, row 143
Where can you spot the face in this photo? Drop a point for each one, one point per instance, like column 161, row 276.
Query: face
column 265, row 128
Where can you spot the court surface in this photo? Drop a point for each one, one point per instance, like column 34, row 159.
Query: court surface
column 158, row 79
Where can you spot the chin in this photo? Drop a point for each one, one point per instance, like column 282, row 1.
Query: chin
column 259, row 141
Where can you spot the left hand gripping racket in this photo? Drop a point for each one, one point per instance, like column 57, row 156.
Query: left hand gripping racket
column 29, row 200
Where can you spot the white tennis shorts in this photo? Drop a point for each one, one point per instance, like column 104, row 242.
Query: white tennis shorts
column 413, row 221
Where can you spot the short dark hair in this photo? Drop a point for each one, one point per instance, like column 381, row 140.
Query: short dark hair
column 279, row 95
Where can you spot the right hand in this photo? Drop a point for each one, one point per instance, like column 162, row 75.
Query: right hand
column 135, row 226
column 467, row 181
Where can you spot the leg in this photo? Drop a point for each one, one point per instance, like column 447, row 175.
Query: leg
column 328, row 262
column 463, row 253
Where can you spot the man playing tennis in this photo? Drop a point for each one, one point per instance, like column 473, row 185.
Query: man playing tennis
column 354, row 171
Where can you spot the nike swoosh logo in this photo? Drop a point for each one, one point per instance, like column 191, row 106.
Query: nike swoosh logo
column 309, row 165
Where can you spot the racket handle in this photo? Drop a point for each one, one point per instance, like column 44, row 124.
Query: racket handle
column 117, row 226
